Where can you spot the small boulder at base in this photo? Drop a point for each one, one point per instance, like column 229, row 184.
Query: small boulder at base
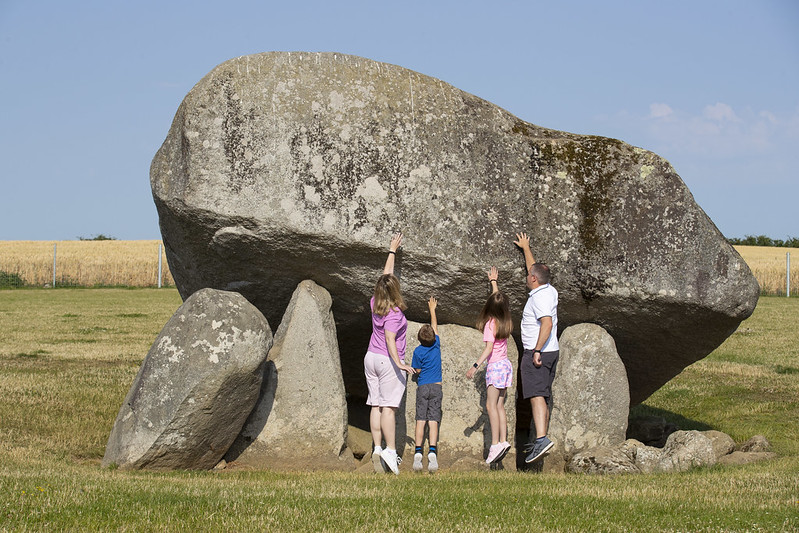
column 465, row 433
column 758, row 443
column 590, row 395
column 646, row 458
column 737, row 458
column 685, row 450
column 723, row 444
column 300, row 421
column 602, row 460
column 195, row 388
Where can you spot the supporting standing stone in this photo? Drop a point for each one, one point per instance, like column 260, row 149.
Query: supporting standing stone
column 195, row 388
column 300, row 421
column 590, row 396
column 465, row 434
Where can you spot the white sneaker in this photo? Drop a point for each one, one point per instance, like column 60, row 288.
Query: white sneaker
column 377, row 461
column 493, row 453
column 432, row 462
column 504, row 449
column 391, row 459
column 417, row 462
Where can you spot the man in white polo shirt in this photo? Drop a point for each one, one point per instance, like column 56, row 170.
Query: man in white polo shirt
column 541, row 350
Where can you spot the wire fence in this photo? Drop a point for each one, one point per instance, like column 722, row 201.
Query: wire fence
column 113, row 263
column 108, row 263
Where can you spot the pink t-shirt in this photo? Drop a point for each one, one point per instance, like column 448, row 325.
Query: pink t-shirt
column 500, row 349
column 394, row 321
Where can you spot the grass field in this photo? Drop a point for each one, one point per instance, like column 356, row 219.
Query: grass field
column 68, row 357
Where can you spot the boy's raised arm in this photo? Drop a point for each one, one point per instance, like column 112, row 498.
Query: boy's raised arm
column 431, row 304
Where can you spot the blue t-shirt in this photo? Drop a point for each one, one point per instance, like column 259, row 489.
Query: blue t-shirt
column 428, row 358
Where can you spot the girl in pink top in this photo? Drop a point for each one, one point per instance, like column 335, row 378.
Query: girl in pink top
column 496, row 323
column 384, row 364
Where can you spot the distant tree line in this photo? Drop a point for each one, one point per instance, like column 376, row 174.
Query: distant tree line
column 99, row 237
column 762, row 240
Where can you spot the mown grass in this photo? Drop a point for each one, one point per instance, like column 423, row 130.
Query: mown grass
column 59, row 395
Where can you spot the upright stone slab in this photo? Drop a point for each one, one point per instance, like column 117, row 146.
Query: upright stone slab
column 195, row 388
column 300, row 421
column 590, row 396
column 314, row 159
column 465, row 434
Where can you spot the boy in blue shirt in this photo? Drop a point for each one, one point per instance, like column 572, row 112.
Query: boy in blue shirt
column 427, row 363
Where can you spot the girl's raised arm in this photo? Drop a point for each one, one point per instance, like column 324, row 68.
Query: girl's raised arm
column 492, row 279
column 396, row 242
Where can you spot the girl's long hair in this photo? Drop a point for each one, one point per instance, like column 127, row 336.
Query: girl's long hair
column 497, row 307
column 388, row 295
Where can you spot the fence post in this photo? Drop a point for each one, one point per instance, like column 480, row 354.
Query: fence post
column 54, row 254
column 788, row 274
column 160, row 246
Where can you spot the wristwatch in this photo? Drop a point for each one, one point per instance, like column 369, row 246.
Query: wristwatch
column 538, row 351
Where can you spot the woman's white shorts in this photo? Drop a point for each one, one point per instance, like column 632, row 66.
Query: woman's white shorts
column 386, row 382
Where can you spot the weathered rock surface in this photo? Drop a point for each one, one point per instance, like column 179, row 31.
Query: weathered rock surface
column 602, row 460
column 195, row 388
column 685, row 450
column 646, row 458
column 590, row 395
column 722, row 443
column 464, row 433
column 758, row 443
column 737, row 458
column 311, row 161
column 300, row 421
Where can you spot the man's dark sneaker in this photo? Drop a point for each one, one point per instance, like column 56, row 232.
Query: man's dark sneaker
column 540, row 448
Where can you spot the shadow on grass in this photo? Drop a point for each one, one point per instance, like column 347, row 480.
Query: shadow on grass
column 682, row 423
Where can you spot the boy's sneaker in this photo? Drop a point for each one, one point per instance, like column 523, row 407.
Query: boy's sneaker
column 432, row 462
column 417, row 462
column 503, row 451
column 540, row 448
column 493, row 453
column 391, row 459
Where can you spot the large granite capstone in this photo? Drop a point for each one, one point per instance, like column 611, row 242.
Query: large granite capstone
column 281, row 167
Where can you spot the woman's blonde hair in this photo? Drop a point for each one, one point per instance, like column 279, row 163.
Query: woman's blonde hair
column 388, row 295
column 497, row 307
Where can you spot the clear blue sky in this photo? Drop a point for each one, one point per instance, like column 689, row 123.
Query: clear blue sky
column 89, row 89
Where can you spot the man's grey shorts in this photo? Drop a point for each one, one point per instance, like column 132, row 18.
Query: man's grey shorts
column 537, row 381
column 428, row 402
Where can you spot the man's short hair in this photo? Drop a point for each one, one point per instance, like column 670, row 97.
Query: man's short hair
column 541, row 272
column 426, row 336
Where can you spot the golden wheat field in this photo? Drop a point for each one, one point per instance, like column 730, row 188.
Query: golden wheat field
column 768, row 264
column 135, row 264
column 85, row 263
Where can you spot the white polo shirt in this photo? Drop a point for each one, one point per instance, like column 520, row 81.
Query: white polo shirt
column 541, row 302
